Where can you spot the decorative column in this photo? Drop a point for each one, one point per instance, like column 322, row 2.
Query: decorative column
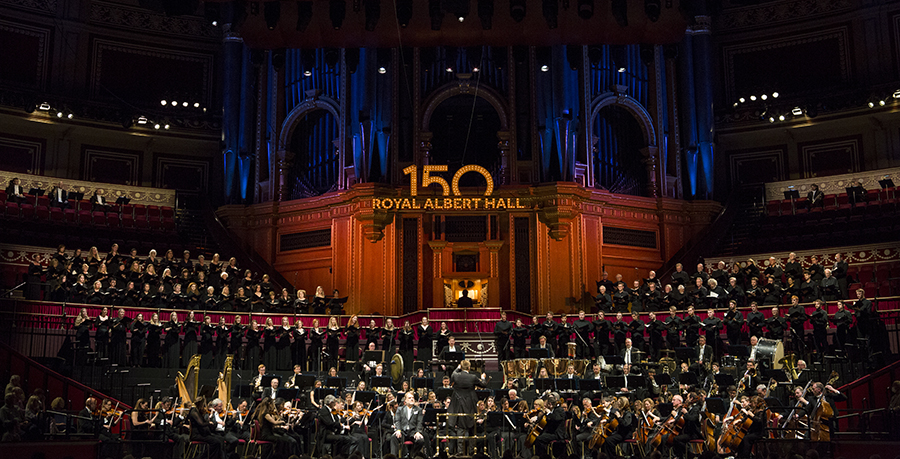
column 437, row 280
column 494, row 280
column 650, row 162
column 425, row 147
column 504, row 146
column 285, row 160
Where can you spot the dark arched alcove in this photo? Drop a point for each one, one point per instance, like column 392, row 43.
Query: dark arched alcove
column 465, row 135
column 315, row 167
column 617, row 162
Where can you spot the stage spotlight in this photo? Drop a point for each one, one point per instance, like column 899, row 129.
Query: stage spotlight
column 59, row 114
column 163, row 102
column 44, row 106
column 166, row 127
column 272, row 14
column 796, row 111
column 70, row 116
column 174, row 103
column 753, row 98
column 156, row 126
column 383, row 59
column 142, row 120
column 542, row 56
column 652, row 8
column 211, row 11
column 382, row 70
column 585, row 9
column 550, row 9
column 196, row 104
column 781, row 118
column 517, row 10
column 742, row 100
column 184, row 104
column 486, row 13
column 735, row 104
column 771, row 119
column 763, row 97
column 373, row 14
column 896, row 94
column 337, row 11
column 304, row 15
column 449, row 69
column 436, row 14
column 775, row 95
column 404, row 12
column 620, row 12
column 871, row 104
column 881, row 102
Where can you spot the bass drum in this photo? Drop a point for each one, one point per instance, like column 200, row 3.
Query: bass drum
column 771, row 350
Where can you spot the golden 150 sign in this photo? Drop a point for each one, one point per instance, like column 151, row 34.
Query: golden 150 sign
column 447, row 203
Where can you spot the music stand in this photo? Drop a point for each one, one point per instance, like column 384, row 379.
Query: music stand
column 688, row 379
column 614, row 383
column 637, row 381
column 589, row 385
column 685, row 353
column 778, row 375
column 122, row 201
column 663, row 379
column 338, row 382
column 380, row 381
column 76, row 195
column 322, row 392
column 793, row 195
column 500, row 394
column 565, row 384
column 496, row 418
column 266, row 381
column 36, row 192
column 716, row 405
column 775, row 405
column 539, row 353
column 365, row 396
column 287, row 394
column 304, row 381
column 442, row 394
column 543, row 384
column 483, row 394
column 423, row 383
column 724, row 380
column 373, row 356
column 430, row 417
column 886, row 183
column 738, row 350
column 454, row 357
column 614, row 359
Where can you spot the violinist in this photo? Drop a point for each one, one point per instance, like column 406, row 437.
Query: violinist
column 202, row 430
column 585, row 421
column 272, row 428
column 336, row 432
column 626, row 425
column 218, row 417
column 168, row 423
column 237, row 423
column 519, row 335
column 555, row 428
column 142, row 421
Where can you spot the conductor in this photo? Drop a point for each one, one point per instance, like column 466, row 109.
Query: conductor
column 463, row 402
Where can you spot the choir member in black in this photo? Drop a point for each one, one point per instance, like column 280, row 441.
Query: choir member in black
column 97, row 295
column 298, row 347
column 652, row 298
column 257, row 299
column 241, row 300
column 351, row 342
column 698, row 293
column 190, row 346
column 680, row 277
column 680, row 299
column 582, row 328
column 225, row 300
column 828, row 287
column 793, row 268
column 637, row 327
column 270, row 339
column 655, row 327
column 739, row 277
column 79, row 290
column 207, row 343
column 555, row 428
column 619, row 331
column 172, row 343
column 842, row 320
column 602, row 327
column 101, row 335
column 332, row 342
column 713, row 326
column 283, row 357
column 634, row 294
column 625, row 429
column 253, row 352
column 425, row 335
column 405, row 344
column 839, row 270
column 701, row 273
column 388, row 337
column 751, row 270
column 734, row 322
column 603, row 302
column 334, row 306
column 235, row 339
column 691, row 325
column 130, row 296
column 772, row 292
column 621, row 298
column 161, row 298
column 83, row 325
column 373, row 333
column 674, row 325
column 118, row 335
column 716, row 296
column 819, row 321
column 502, row 333
column 154, row 332
column 772, row 269
column 797, row 318
column 734, row 292
column 221, row 344
column 720, row 274
column 809, row 288
column 755, row 321
column 273, row 303
column 775, row 325
column 550, row 330
column 301, row 304
column 563, row 336
column 202, row 430
column 866, row 314
column 816, row 272
column 139, row 340
column 519, row 335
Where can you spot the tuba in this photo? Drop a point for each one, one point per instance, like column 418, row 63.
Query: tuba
column 790, row 365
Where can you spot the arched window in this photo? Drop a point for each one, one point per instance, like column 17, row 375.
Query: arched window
column 315, row 167
column 617, row 162
column 464, row 134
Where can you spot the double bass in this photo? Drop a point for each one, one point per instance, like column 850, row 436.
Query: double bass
column 818, row 425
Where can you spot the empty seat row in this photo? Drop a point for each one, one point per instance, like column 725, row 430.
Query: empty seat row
column 82, row 212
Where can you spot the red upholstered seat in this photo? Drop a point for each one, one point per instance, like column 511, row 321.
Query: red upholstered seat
column 12, row 209
column 98, row 218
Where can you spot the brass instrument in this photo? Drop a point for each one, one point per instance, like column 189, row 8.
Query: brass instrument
column 223, row 383
column 790, row 365
column 188, row 383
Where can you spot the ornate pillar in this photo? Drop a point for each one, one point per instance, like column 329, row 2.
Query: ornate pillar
column 650, row 162
column 703, row 49
column 437, row 280
column 494, row 280
column 425, row 147
column 283, row 165
column 504, row 146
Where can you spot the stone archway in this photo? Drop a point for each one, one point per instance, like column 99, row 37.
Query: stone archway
column 285, row 157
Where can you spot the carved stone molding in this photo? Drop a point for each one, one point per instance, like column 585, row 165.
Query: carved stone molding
column 462, row 86
column 374, row 223
column 832, row 184
column 618, row 96
column 138, row 195
column 140, row 19
column 557, row 212
column 767, row 14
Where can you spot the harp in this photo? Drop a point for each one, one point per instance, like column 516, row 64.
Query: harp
column 188, row 383
column 223, row 384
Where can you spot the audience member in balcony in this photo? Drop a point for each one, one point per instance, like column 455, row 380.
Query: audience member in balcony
column 10, row 420
column 809, row 288
column 59, row 197
column 98, row 201
column 139, row 340
column 842, row 320
column 839, row 270
column 815, row 197
column 191, row 328
column 15, row 192
column 154, row 343
column 207, row 343
column 797, row 318
column 171, row 346
column 118, row 335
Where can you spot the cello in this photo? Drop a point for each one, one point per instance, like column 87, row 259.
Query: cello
column 734, row 433
column 672, row 427
column 607, row 425
column 537, row 429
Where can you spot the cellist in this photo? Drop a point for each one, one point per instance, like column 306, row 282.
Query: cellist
column 624, row 430
column 690, row 412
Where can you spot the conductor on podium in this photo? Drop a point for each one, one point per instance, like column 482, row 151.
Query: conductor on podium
column 463, row 402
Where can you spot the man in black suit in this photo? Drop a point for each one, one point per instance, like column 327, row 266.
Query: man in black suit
column 865, row 314
column 98, row 201
column 463, row 401
column 272, row 390
column 630, row 354
column 335, row 431
column 542, row 344
column 408, row 426
column 555, row 429
column 464, row 301
column 815, row 197
column 59, row 197
column 704, row 353
column 15, row 192
column 450, row 347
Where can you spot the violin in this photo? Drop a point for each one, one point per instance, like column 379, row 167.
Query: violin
column 108, row 413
